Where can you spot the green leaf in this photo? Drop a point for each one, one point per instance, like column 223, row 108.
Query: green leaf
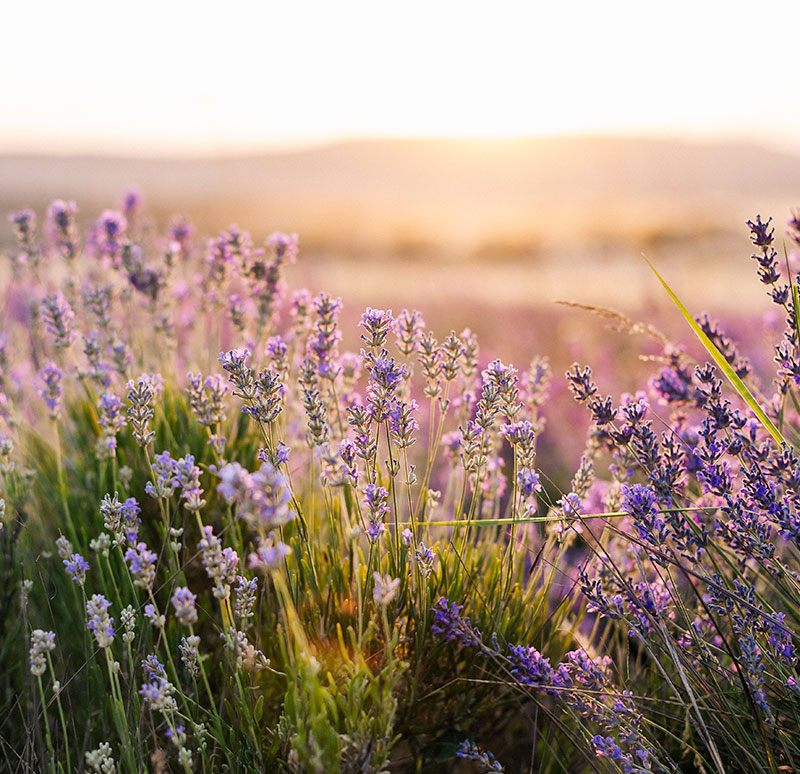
column 258, row 710
column 733, row 378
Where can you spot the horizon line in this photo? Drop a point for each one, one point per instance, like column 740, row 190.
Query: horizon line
column 169, row 151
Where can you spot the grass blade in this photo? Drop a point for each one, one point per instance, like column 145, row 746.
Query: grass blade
column 733, row 378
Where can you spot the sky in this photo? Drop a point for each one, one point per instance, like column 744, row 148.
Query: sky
column 169, row 77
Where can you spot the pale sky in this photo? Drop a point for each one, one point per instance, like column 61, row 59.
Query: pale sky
column 213, row 77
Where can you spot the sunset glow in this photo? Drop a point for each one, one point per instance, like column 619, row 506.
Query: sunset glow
column 171, row 78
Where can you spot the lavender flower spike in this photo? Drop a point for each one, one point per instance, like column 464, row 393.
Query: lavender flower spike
column 100, row 624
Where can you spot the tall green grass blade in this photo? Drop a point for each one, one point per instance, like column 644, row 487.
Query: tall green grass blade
column 733, row 378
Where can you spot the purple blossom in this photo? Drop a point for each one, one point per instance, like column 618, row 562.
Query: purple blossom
column 51, row 391
column 452, row 626
column 528, row 483
column 77, row 566
column 24, row 221
column 60, row 228
column 409, row 327
column 109, row 236
column 164, row 473
column 262, row 498
column 58, row 316
column 529, row 666
column 284, row 247
column 640, row 502
column 378, row 324
column 111, row 418
column 142, row 563
column 402, row 423
column 220, row 563
column 184, row 603
column 268, row 555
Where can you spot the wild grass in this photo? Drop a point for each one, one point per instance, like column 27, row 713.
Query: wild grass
column 228, row 546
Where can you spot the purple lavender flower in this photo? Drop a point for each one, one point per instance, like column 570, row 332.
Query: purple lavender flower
column 245, row 597
column 402, row 423
column 262, row 498
column 131, row 202
column 77, row 566
column 58, row 316
column 528, row 483
column 61, row 229
column 284, row 245
column 142, row 565
column 409, row 327
column 158, row 695
column 24, row 221
column 471, row 752
column 180, row 234
column 187, row 478
column 240, row 374
column 378, row 324
column 268, row 555
column 523, row 436
column 206, row 398
column 129, row 512
column 375, row 498
column 51, row 391
column 424, row 557
column 111, row 418
column 581, row 384
column 640, row 502
column 501, row 381
column 529, row 666
column 184, row 603
column 140, row 411
column 164, row 473
column 321, row 348
column 385, row 376
column 452, row 626
column 109, row 236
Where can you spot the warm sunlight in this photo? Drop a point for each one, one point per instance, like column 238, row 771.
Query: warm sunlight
column 171, row 78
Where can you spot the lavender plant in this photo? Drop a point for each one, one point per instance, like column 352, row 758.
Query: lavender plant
column 233, row 545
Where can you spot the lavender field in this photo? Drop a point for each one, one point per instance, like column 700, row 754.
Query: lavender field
column 251, row 523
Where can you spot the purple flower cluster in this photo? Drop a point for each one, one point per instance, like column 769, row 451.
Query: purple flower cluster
column 262, row 498
column 375, row 498
column 449, row 624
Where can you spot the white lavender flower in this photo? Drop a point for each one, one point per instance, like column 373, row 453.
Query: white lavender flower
column 127, row 618
column 189, row 653
column 100, row 624
column 101, row 544
column 140, row 411
column 385, row 589
column 64, row 547
column 244, row 653
column 245, row 597
column 158, row 695
column 42, row 643
column 220, row 563
column 100, row 760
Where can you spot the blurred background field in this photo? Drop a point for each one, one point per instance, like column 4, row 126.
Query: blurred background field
column 498, row 222
column 485, row 234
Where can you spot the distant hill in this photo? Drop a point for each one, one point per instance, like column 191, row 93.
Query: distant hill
column 418, row 198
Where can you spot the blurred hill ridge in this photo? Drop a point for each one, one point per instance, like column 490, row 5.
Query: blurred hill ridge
column 451, row 199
